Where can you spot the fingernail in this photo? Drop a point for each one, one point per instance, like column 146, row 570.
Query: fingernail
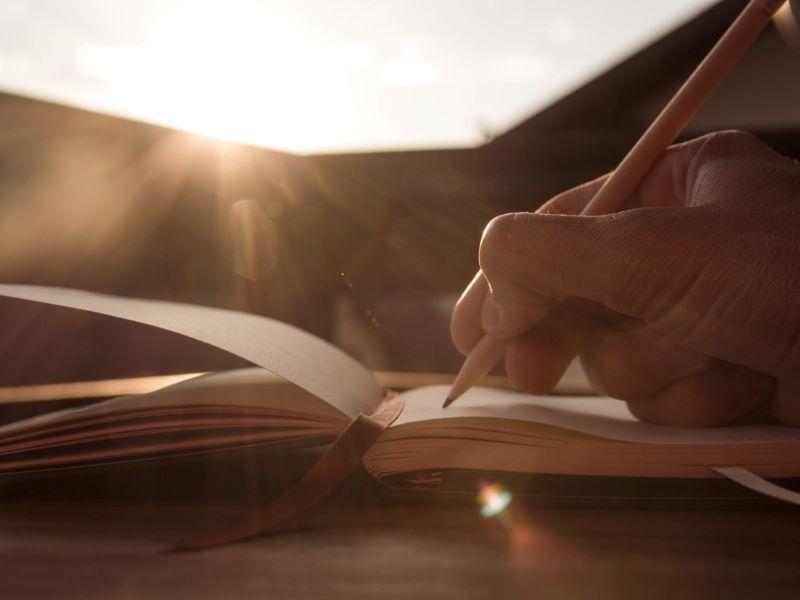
column 491, row 314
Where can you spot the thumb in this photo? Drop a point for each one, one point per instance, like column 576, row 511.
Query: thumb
column 635, row 262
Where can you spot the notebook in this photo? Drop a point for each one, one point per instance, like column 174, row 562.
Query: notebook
column 330, row 400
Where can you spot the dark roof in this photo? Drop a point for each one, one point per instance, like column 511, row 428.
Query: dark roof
column 605, row 101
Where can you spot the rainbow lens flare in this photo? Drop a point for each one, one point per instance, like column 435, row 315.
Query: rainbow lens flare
column 493, row 499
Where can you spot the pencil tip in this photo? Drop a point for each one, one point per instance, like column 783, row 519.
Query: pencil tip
column 449, row 401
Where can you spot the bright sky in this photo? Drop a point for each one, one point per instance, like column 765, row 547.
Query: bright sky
column 322, row 75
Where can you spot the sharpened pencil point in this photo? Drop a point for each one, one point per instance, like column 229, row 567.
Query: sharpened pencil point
column 476, row 366
column 449, row 401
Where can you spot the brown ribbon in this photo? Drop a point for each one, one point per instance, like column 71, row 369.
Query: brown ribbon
column 336, row 463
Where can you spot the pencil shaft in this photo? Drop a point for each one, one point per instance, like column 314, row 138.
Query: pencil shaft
column 683, row 106
column 476, row 366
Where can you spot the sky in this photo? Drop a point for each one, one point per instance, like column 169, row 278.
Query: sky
column 314, row 76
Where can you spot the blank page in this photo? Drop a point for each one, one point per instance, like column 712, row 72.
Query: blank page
column 595, row 415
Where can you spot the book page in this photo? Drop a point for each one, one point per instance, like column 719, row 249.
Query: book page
column 595, row 415
column 239, row 392
column 299, row 357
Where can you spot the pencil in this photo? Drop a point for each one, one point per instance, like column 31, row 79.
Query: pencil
column 630, row 172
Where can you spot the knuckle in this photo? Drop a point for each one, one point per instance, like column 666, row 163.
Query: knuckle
column 727, row 143
column 504, row 238
column 736, row 136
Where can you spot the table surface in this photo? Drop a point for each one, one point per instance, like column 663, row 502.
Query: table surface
column 374, row 548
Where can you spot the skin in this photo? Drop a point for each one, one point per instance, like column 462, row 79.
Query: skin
column 685, row 304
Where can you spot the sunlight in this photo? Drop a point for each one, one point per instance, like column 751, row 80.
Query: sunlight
column 245, row 75
column 321, row 76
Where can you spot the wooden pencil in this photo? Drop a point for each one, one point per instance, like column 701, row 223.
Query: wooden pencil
column 630, row 172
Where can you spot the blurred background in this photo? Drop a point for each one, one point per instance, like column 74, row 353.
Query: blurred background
column 330, row 164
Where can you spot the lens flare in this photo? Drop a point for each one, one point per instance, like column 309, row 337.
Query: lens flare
column 253, row 240
column 493, row 499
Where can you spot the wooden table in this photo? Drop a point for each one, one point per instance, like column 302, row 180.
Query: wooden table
column 375, row 548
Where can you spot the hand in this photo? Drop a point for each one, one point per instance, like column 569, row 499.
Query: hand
column 686, row 304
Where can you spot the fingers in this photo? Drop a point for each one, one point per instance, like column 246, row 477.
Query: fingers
column 536, row 360
column 637, row 262
column 667, row 384
column 718, row 396
column 472, row 308
column 573, row 201
column 670, row 183
column 731, row 167
column 465, row 324
column 637, row 363
column 676, row 179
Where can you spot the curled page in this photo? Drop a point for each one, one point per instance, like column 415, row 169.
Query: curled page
column 297, row 356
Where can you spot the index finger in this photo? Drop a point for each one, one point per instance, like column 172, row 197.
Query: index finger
column 573, row 200
column 465, row 324
column 665, row 184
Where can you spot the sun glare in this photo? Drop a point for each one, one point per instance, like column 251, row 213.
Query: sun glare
column 244, row 74
column 319, row 75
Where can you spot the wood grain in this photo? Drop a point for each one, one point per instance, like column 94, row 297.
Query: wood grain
column 384, row 550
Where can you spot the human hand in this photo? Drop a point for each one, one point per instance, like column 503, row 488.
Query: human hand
column 686, row 304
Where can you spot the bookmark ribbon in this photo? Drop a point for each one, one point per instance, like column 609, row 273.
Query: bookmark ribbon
column 344, row 455
column 758, row 484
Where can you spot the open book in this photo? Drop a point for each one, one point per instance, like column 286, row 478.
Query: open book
column 326, row 391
